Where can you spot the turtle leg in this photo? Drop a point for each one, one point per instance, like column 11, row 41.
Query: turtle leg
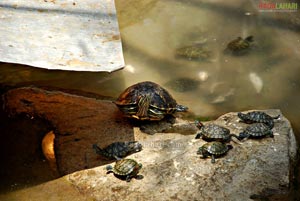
column 271, row 134
column 204, row 155
column 198, row 135
column 117, row 158
column 213, row 158
column 128, row 178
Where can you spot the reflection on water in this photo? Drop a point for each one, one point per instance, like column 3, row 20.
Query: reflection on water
column 266, row 77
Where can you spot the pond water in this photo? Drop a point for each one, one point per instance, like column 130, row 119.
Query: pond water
column 151, row 30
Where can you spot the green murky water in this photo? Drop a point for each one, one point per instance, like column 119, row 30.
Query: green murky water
column 151, row 30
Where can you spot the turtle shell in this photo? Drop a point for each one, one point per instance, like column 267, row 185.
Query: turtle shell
column 258, row 117
column 213, row 132
column 240, row 44
column 147, row 101
column 126, row 167
column 215, row 148
column 118, row 150
column 258, row 130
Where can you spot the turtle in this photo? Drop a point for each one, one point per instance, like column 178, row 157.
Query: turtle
column 126, row 168
column 118, row 150
column 193, row 52
column 213, row 149
column 214, row 132
column 256, row 130
column 258, row 117
column 147, row 101
column 240, row 45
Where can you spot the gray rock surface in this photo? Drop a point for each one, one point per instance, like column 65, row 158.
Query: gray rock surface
column 172, row 170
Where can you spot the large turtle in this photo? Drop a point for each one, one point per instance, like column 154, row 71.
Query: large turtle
column 127, row 168
column 214, row 132
column 256, row 130
column 213, row 149
column 258, row 117
column 118, row 150
column 147, row 101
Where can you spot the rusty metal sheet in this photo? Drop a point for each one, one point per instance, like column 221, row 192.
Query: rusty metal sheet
column 61, row 34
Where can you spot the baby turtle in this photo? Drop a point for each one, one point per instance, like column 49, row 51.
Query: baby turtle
column 126, row 168
column 213, row 132
column 256, row 130
column 118, row 150
column 195, row 52
column 213, row 149
column 147, row 101
column 258, row 117
column 240, row 45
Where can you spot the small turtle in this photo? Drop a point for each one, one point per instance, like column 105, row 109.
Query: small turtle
column 213, row 149
column 118, row 150
column 127, row 168
column 147, row 101
column 195, row 52
column 256, row 130
column 240, row 45
column 213, row 132
column 258, row 117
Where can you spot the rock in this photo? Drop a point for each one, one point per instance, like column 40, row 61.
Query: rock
column 254, row 169
column 78, row 123
column 172, row 170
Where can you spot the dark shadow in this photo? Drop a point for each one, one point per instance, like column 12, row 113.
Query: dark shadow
column 22, row 161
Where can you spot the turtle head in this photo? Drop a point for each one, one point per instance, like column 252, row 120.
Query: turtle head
column 242, row 116
column 249, row 39
column 109, row 168
column 181, row 108
column 200, row 150
column 135, row 146
column 198, row 124
column 242, row 135
column 140, row 166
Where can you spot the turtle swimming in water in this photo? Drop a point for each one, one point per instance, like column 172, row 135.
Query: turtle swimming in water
column 126, row 168
column 214, row 132
column 240, row 45
column 258, row 117
column 213, row 149
column 118, row 150
column 147, row 101
column 193, row 52
column 256, row 130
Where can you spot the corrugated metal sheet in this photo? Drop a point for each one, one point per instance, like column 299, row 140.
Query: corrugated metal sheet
column 61, row 34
